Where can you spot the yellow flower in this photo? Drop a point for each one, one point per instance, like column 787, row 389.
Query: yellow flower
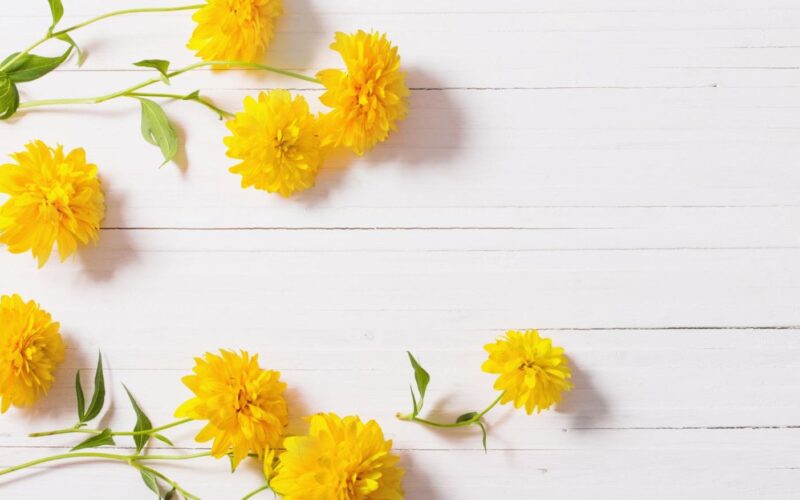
column 277, row 140
column 532, row 372
column 370, row 97
column 242, row 403
column 234, row 30
column 339, row 459
column 30, row 350
column 53, row 198
column 268, row 465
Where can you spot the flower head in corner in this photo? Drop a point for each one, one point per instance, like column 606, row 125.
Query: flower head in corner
column 277, row 140
column 340, row 458
column 53, row 198
column 369, row 98
column 532, row 372
column 242, row 403
column 234, row 30
column 30, row 350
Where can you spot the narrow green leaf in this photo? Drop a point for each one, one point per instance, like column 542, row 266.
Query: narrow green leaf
column 102, row 439
column 415, row 412
column 64, row 37
column 31, row 67
column 150, row 481
column 157, row 130
column 160, row 65
column 57, row 10
column 483, row 431
column 142, row 423
column 162, row 439
column 9, row 97
column 194, row 96
column 80, row 397
column 421, row 376
column 467, row 417
column 99, row 395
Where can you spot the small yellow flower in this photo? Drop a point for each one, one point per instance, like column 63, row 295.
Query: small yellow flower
column 278, row 142
column 30, row 350
column 243, row 404
column 234, row 30
column 532, row 372
column 53, row 198
column 339, row 459
column 370, row 97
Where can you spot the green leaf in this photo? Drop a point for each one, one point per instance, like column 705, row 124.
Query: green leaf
column 160, row 65
column 102, row 439
column 58, row 12
column 150, row 481
column 9, row 97
column 99, row 395
column 157, row 130
column 414, row 402
column 142, row 423
column 170, row 494
column 483, row 430
column 422, row 377
column 80, row 397
column 162, row 439
column 64, row 37
column 467, row 417
column 194, row 96
column 31, row 67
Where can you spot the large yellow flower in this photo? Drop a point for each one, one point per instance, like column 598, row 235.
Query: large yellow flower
column 234, row 30
column 277, row 140
column 339, row 459
column 370, row 97
column 30, row 350
column 53, row 198
column 532, row 372
column 243, row 404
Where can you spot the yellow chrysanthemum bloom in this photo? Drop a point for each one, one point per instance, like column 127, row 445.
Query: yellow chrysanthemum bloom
column 532, row 372
column 277, row 139
column 30, row 350
column 339, row 459
column 53, row 198
column 243, row 404
column 234, row 30
column 370, row 97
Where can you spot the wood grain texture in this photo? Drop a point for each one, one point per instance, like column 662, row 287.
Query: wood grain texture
column 621, row 174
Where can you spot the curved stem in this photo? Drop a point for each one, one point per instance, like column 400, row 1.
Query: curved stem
column 71, row 430
column 179, row 97
column 130, row 90
column 56, row 34
column 131, row 459
column 442, row 425
column 124, row 12
column 255, row 492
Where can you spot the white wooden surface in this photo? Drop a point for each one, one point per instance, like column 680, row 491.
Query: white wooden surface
column 621, row 174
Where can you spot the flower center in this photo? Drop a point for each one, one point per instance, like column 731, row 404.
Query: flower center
column 284, row 143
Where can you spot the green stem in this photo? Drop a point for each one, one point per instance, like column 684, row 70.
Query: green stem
column 71, row 430
column 167, row 480
column 179, row 97
column 477, row 418
column 132, row 90
column 56, row 34
column 130, row 459
column 255, row 492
